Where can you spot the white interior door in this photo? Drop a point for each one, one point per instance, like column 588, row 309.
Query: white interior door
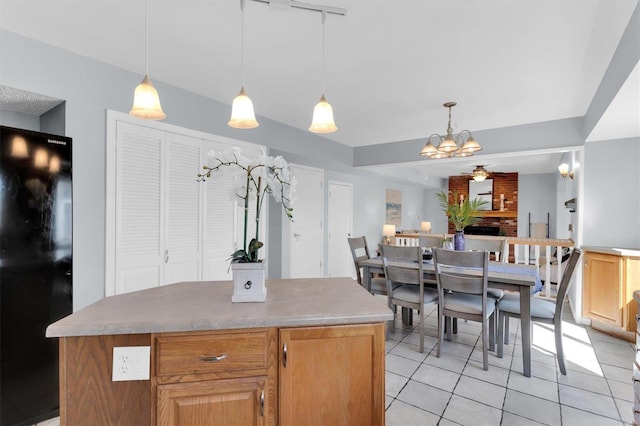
column 182, row 209
column 306, row 231
column 340, row 220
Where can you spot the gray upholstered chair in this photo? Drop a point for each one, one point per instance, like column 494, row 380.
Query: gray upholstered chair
column 541, row 311
column 360, row 252
column 462, row 279
column 405, row 282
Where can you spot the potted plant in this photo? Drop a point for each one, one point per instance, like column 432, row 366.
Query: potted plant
column 254, row 181
column 461, row 213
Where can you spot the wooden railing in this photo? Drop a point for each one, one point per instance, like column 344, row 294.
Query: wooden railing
column 532, row 251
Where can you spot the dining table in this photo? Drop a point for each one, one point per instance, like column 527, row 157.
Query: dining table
column 517, row 277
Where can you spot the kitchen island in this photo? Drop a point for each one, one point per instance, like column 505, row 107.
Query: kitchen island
column 312, row 353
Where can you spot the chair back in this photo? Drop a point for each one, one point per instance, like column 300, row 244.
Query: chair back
column 359, row 252
column 461, row 271
column 430, row 241
column 403, row 265
column 565, row 283
column 496, row 246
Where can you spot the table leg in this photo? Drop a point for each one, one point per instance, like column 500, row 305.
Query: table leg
column 525, row 323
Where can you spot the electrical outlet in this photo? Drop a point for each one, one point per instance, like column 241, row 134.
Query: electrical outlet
column 131, row 363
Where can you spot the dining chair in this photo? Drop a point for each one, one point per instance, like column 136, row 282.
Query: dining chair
column 360, row 252
column 541, row 311
column 430, row 241
column 462, row 279
column 405, row 282
column 497, row 247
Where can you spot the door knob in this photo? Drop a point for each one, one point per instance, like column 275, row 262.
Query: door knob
column 295, row 234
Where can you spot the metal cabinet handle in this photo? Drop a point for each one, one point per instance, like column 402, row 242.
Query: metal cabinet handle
column 262, row 403
column 213, row 358
column 295, row 234
column 166, row 256
column 284, row 354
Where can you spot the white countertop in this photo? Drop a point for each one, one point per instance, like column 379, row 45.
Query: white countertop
column 618, row 251
column 206, row 305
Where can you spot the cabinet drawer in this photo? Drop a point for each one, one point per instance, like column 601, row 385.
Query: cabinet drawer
column 211, row 353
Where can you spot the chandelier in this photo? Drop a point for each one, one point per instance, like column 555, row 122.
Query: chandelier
column 450, row 146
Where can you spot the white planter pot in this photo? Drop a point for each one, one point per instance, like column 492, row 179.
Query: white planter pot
column 248, row 282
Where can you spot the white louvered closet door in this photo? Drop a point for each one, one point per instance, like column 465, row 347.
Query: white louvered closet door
column 220, row 225
column 182, row 209
column 139, row 213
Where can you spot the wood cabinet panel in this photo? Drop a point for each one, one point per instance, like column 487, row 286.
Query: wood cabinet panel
column 213, row 352
column 332, row 375
column 609, row 282
column 232, row 402
column 602, row 287
column 88, row 396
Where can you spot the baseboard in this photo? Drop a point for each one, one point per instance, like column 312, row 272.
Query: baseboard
column 613, row 330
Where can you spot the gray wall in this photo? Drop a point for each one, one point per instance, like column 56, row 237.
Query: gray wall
column 611, row 199
column 611, row 195
column 536, row 195
column 432, row 210
column 369, row 196
column 90, row 88
column 53, row 121
column 19, row 120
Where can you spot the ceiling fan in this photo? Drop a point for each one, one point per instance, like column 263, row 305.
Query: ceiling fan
column 480, row 173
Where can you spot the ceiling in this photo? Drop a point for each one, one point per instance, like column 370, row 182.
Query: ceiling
column 389, row 65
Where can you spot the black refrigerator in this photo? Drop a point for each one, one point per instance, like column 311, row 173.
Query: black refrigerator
column 35, row 270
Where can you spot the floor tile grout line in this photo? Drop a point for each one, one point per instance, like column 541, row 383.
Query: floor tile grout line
column 407, row 334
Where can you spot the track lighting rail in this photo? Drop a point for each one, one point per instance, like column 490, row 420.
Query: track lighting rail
column 307, row 6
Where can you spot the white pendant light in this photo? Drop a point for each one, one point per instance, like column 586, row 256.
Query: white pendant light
column 242, row 115
column 322, row 121
column 146, row 103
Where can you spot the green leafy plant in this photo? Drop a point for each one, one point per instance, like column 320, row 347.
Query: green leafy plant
column 254, row 180
column 460, row 213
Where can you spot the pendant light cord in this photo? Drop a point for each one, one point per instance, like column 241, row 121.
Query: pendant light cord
column 146, row 37
column 324, row 18
column 242, row 40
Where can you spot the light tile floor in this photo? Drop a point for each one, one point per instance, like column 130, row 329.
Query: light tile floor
column 422, row 389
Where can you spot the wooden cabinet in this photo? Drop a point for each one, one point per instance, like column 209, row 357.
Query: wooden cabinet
column 328, row 375
column 227, row 376
column 609, row 281
column 228, row 401
column 332, row 375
